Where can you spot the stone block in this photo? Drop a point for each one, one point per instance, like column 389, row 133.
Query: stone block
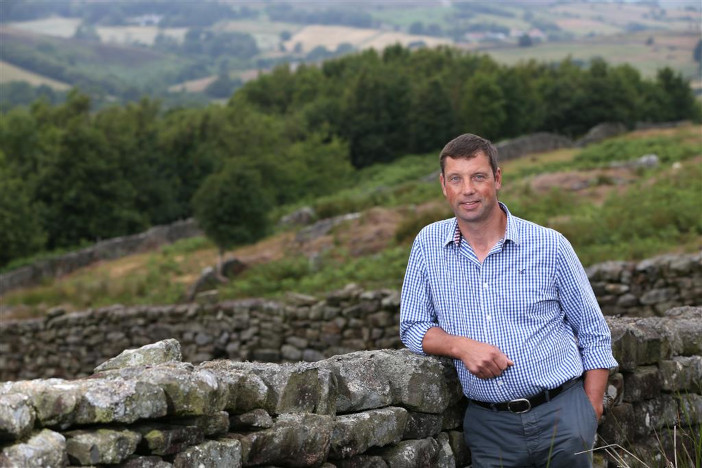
column 266, row 355
column 151, row 354
column 43, row 449
column 422, row 425
column 655, row 296
column 292, row 388
column 297, row 342
column 17, row 416
column 452, row 417
column 459, row 448
column 214, row 453
column 412, row 454
column 116, row 400
column 687, row 322
column 446, row 458
column 627, row 300
column 681, row 374
column 294, row 440
column 141, row 461
column 355, row 433
column 90, row 447
column 642, row 341
column 652, row 415
column 618, row 426
column 210, row 424
column 190, row 391
column 690, row 409
column 643, row 384
column 361, row 461
column 290, row 353
column 245, row 390
column 255, row 419
column 167, row 439
column 361, row 382
column 312, row 355
column 435, row 376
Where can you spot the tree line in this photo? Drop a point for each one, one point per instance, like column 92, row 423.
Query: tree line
column 70, row 175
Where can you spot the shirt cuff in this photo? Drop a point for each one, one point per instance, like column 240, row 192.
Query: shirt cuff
column 414, row 336
column 599, row 358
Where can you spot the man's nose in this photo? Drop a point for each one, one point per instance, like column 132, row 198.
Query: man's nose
column 468, row 187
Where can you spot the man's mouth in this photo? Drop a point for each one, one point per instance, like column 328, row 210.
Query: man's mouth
column 470, row 204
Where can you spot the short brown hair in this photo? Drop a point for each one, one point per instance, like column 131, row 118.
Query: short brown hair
column 467, row 146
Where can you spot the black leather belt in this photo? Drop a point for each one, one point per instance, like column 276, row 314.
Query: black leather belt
column 522, row 405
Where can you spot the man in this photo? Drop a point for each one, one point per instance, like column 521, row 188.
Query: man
column 510, row 302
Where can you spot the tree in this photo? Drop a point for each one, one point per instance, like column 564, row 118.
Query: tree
column 20, row 228
column 697, row 53
column 232, row 206
column 525, row 40
column 432, row 120
column 483, row 106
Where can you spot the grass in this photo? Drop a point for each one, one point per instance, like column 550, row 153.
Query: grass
column 659, row 213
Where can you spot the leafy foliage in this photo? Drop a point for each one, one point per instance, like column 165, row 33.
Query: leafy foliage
column 231, row 206
column 310, row 133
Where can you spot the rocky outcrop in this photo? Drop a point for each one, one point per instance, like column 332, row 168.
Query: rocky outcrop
column 385, row 408
column 534, row 143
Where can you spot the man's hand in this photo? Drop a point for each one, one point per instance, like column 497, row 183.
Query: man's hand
column 483, row 360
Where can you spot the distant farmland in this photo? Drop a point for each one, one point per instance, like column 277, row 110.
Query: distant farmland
column 331, row 36
column 672, row 49
column 9, row 72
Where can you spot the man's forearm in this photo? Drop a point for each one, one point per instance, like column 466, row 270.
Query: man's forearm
column 595, row 386
column 481, row 359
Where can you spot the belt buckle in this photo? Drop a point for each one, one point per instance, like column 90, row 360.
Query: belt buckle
column 519, row 401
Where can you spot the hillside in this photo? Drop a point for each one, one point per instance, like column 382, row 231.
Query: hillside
column 160, row 53
column 609, row 203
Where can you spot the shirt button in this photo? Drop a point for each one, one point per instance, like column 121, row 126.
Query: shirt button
column 488, row 317
column 485, row 285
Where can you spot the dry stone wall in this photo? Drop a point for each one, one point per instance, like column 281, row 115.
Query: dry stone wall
column 384, row 408
column 649, row 287
column 104, row 250
column 302, row 328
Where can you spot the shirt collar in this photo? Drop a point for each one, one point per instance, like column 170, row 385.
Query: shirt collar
column 454, row 236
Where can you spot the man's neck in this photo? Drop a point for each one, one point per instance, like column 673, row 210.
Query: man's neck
column 482, row 236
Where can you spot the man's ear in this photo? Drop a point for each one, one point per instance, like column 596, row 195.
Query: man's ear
column 442, row 181
column 498, row 178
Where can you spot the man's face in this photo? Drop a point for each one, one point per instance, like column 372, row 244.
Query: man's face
column 470, row 187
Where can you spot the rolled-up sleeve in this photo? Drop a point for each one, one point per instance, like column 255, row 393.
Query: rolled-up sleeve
column 582, row 310
column 417, row 314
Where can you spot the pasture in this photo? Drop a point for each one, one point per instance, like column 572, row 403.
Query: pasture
column 55, row 26
column 137, row 34
column 331, row 36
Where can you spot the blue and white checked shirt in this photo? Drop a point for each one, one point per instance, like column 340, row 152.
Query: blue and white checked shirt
column 530, row 298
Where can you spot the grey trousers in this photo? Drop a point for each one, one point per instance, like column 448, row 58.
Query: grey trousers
column 546, row 436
